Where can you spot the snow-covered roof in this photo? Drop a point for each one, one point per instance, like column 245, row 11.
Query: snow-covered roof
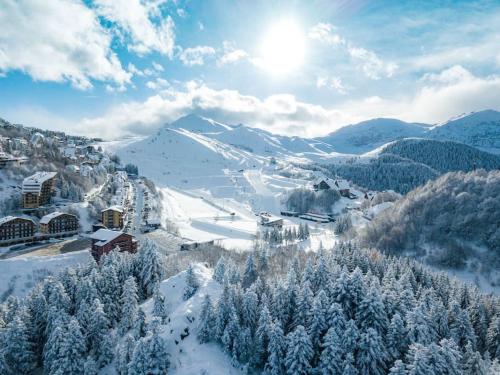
column 116, row 207
column 33, row 184
column 105, row 236
column 6, row 219
column 47, row 218
column 342, row 184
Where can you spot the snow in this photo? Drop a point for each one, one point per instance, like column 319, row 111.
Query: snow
column 188, row 356
column 26, row 270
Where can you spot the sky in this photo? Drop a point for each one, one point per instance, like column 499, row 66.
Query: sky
column 114, row 68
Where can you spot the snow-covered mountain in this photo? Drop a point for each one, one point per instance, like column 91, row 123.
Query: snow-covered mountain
column 368, row 135
column 478, row 129
column 198, row 151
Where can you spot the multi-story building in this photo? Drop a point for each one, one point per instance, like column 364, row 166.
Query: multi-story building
column 38, row 189
column 16, row 229
column 59, row 223
column 105, row 240
column 113, row 217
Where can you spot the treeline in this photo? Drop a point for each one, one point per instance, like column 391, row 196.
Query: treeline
column 406, row 164
column 456, row 212
column 443, row 156
column 351, row 311
column 305, row 200
column 71, row 323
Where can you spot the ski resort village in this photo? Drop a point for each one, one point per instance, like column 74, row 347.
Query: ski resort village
column 249, row 187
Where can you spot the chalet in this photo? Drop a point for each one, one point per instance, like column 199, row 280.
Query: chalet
column 271, row 221
column 105, row 240
column 38, row 189
column 59, row 223
column 15, row 230
column 6, row 160
column 342, row 186
column 113, row 217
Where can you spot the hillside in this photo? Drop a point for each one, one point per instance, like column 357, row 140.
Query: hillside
column 451, row 222
column 368, row 135
column 405, row 164
column 478, row 129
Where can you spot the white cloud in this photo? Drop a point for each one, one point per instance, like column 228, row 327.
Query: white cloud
column 231, row 54
column 332, row 82
column 157, row 84
column 181, row 13
column 58, row 40
column 157, row 67
column 201, row 26
column 371, row 64
column 323, row 32
column 452, row 92
column 132, row 69
column 141, row 22
column 195, row 55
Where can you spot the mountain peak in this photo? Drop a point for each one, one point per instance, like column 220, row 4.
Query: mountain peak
column 198, row 124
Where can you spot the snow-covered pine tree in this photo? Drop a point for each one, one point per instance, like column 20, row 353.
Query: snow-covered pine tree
column 372, row 354
column 206, row 325
column 277, row 350
column 72, row 354
column 398, row 368
column 150, row 356
column 159, row 306
column 192, row 284
column 150, row 268
column 99, row 336
column 331, row 358
column 140, row 325
column 124, row 354
column 493, row 337
column 472, row 363
column 129, row 303
column 299, row 352
column 371, row 312
column 17, row 350
column 396, row 338
column 90, row 367
column 348, row 365
column 220, row 270
column 250, row 274
column 262, row 337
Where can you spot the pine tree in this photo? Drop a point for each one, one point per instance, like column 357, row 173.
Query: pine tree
column 398, row 368
column 220, row 270
column 90, row 367
column 250, row 274
column 461, row 328
column 262, row 336
column 71, row 357
column 299, row 352
column 129, row 302
column 249, row 309
column 150, row 356
column 318, row 319
column 98, row 335
column 396, row 337
column 17, row 349
column 493, row 337
column 277, row 350
column 348, row 365
column 473, row 364
column 109, row 289
column 124, row 354
column 206, row 327
column 304, row 305
column 150, row 268
column 371, row 355
column 332, row 354
column 140, row 325
column 191, row 283
column 159, row 307
column 371, row 312
column 350, row 336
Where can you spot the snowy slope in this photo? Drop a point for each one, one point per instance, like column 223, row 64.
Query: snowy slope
column 368, row 135
column 478, row 129
column 188, row 357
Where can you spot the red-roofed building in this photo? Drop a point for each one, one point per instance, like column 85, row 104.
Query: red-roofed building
column 105, row 240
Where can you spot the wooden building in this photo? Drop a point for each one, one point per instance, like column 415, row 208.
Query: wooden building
column 113, row 217
column 38, row 189
column 16, row 230
column 105, row 240
column 59, row 223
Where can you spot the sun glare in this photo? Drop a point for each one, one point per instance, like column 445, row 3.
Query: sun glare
column 283, row 47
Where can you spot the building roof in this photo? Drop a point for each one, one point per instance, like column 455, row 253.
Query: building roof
column 33, row 183
column 47, row 218
column 6, row 219
column 342, row 184
column 104, row 236
column 114, row 208
column 338, row 184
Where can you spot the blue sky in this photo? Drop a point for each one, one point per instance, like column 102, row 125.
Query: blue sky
column 122, row 67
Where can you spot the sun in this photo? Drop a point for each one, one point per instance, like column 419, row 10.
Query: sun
column 283, row 47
